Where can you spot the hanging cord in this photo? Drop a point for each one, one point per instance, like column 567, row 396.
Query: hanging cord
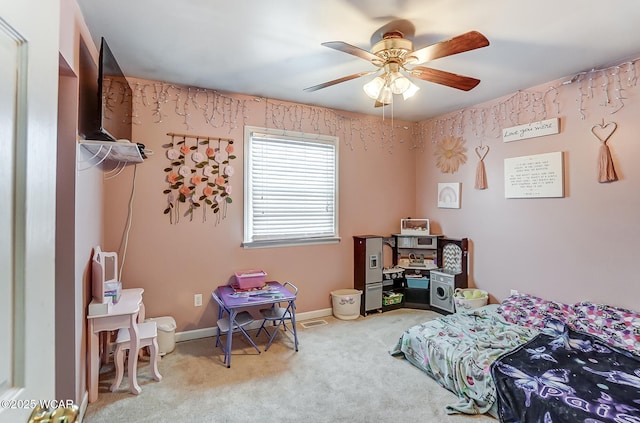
column 125, row 235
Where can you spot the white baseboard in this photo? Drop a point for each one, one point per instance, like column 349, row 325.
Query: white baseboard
column 314, row 314
column 83, row 406
column 190, row 335
column 195, row 334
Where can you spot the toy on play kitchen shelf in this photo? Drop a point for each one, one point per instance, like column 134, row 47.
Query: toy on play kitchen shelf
column 469, row 299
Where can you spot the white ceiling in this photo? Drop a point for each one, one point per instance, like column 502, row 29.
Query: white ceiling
column 271, row 48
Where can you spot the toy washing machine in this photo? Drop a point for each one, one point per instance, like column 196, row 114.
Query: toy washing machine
column 451, row 273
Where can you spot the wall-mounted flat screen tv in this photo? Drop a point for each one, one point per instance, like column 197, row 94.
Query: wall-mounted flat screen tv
column 106, row 98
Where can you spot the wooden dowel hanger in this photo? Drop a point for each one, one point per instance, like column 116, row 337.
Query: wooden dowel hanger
column 199, row 137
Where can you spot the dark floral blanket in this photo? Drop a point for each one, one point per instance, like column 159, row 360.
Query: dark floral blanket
column 562, row 375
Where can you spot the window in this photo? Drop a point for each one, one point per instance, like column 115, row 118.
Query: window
column 291, row 188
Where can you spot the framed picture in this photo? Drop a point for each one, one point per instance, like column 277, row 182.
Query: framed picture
column 449, row 195
column 537, row 176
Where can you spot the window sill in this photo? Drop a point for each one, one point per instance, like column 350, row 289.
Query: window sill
column 290, row 242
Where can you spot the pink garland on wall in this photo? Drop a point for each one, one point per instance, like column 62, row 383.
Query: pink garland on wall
column 198, row 176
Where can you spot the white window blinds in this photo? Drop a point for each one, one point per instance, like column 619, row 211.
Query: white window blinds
column 291, row 188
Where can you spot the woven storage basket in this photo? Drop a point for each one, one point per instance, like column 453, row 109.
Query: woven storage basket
column 392, row 299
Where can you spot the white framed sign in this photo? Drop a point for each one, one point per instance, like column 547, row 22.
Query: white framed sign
column 537, row 176
column 531, row 130
column 449, row 195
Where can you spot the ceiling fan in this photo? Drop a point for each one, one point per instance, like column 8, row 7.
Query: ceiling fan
column 395, row 56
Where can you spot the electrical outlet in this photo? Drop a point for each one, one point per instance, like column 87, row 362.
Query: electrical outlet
column 197, row 300
column 513, row 292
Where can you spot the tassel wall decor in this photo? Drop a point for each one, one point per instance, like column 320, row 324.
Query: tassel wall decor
column 606, row 171
column 481, row 176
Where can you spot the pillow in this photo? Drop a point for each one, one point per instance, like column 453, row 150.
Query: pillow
column 618, row 327
column 533, row 312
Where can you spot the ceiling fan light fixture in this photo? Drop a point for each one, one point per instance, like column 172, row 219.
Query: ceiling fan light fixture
column 398, row 83
column 410, row 91
column 385, row 96
column 382, row 88
column 374, row 87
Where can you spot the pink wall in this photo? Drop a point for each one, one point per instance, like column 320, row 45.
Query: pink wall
column 580, row 247
column 172, row 262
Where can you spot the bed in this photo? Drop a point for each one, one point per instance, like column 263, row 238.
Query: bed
column 563, row 375
column 457, row 351
column 461, row 351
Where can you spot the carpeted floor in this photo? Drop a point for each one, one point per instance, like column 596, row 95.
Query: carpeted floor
column 343, row 372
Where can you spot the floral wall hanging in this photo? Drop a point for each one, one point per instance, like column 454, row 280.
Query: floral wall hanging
column 450, row 154
column 198, row 176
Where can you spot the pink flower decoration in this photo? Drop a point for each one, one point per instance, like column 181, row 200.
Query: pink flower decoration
column 220, row 180
column 173, row 154
column 172, row 178
column 184, row 149
column 228, row 189
column 210, row 152
column 208, row 191
column 229, row 149
column 184, row 171
column 196, row 179
column 228, row 170
column 185, row 190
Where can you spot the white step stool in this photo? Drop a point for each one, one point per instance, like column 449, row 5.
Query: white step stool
column 148, row 335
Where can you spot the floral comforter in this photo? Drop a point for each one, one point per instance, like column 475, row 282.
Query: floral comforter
column 457, row 351
column 563, row 375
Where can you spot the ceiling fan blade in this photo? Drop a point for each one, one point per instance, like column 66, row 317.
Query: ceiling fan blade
column 468, row 41
column 353, row 50
column 449, row 79
column 380, row 104
column 339, row 80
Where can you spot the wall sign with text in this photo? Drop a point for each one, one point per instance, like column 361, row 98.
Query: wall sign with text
column 537, row 176
column 531, row 130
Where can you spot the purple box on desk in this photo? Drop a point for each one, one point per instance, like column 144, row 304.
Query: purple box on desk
column 247, row 279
